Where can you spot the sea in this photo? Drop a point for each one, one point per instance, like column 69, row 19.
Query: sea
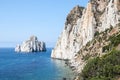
column 32, row 66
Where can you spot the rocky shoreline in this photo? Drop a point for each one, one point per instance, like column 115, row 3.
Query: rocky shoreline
column 73, row 68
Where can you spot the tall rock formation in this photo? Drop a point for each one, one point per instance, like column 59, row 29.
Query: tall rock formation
column 83, row 23
column 31, row 45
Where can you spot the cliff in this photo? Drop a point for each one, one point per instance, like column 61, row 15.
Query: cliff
column 87, row 33
column 99, row 59
column 31, row 45
column 83, row 23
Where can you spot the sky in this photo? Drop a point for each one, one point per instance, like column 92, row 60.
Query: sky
column 19, row 19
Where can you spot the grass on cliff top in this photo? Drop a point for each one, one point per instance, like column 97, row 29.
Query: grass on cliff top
column 105, row 68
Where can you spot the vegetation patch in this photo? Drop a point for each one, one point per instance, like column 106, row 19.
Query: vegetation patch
column 106, row 67
column 96, row 33
column 115, row 39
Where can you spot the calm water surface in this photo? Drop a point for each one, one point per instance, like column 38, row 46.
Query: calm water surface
column 33, row 66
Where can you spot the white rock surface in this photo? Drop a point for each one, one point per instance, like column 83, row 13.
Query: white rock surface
column 81, row 25
column 31, row 45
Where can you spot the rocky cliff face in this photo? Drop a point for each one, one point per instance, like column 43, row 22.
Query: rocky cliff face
column 31, row 45
column 67, row 43
column 82, row 24
column 103, row 44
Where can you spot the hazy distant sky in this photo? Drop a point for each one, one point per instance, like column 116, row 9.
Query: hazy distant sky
column 19, row 19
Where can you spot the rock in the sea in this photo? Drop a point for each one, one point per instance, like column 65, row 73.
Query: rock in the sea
column 17, row 49
column 31, row 45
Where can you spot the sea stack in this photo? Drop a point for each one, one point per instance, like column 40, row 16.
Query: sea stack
column 31, row 45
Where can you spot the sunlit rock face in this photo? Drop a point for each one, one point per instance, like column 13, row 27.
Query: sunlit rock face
column 31, row 45
column 82, row 23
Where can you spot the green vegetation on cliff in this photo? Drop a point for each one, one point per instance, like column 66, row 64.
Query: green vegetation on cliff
column 114, row 41
column 106, row 67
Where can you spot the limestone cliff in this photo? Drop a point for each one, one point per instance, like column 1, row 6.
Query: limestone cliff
column 104, row 44
column 83, row 23
column 101, row 44
column 31, row 45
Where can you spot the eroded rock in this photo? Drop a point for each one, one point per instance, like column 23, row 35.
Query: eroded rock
column 31, row 45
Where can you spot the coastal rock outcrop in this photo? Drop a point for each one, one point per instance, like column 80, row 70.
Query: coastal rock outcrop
column 31, row 45
column 81, row 27
column 83, row 23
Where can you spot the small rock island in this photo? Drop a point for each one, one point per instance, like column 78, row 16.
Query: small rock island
column 31, row 45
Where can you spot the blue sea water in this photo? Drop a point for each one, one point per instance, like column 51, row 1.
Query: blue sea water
column 33, row 66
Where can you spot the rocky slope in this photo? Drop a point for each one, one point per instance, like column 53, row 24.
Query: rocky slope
column 89, row 32
column 101, row 44
column 105, row 47
column 83, row 23
column 31, row 45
